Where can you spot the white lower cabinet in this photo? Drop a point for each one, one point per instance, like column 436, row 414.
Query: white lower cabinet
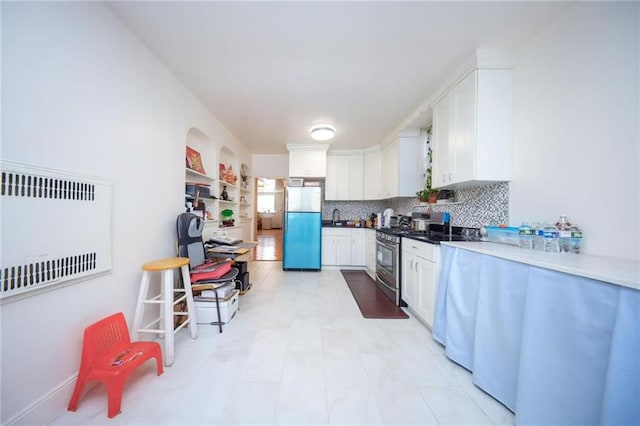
column 343, row 247
column 358, row 247
column 418, row 285
column 370, row 251
column 336, row 246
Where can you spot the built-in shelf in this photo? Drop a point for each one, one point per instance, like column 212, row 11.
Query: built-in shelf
column 195, row 173
column 447, row 203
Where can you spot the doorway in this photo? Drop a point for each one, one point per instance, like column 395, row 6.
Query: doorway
column 269, row 213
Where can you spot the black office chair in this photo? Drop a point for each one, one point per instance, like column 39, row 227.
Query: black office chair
column 190, row 244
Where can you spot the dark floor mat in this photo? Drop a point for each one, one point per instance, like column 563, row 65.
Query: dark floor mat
column 371, row 300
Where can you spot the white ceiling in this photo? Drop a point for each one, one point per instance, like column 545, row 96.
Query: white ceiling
column 269, row 70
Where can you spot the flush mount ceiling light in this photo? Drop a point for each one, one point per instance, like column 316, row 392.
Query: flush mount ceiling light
column 322, row 132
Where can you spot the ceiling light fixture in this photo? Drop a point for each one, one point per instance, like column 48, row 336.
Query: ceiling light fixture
column 322, row 132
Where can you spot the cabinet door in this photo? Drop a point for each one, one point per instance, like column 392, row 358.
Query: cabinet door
column 329, row 250
column 372, row 176
column 331, row 181
column 389, row 171
column 440, row 143
column 343, row 250
column 343, row 177
column 336, row 184
column 316, row 163
column 356, row 177
column 307, row 163
column 426, row 289
column 297, row 164
column 358, row 248
column 464, row 129
column 408, row 282
column 408, row 179
column 370, row 248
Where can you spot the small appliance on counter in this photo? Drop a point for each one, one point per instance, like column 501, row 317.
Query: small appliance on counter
column 388, row 213
column 420, row 221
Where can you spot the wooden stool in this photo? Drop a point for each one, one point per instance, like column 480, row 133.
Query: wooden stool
column 166, row 298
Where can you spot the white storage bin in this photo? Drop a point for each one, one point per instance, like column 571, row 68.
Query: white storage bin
column 206, row 311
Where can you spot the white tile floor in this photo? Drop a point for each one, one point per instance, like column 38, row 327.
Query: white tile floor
column 299, row 352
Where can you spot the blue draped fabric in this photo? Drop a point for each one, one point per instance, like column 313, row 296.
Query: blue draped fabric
column 555, row 348
column 501, row 295
column 439, row 329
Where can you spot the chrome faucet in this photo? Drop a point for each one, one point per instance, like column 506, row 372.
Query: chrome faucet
column 336, row 215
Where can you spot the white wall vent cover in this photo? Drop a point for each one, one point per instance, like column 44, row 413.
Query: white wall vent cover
column 55, row 227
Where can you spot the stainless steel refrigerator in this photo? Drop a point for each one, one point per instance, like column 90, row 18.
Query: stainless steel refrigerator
column 302, row 228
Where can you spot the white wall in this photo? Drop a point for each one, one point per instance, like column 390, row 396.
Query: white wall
column 81, row 93
column 576, row 134
column 270, row 165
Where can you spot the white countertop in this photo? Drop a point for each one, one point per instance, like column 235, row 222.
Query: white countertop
column 616, row 271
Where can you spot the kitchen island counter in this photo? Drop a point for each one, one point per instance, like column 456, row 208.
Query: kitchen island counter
column 621, row 272
column 554, row 337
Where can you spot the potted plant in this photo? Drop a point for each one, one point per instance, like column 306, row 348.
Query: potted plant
column 428, row 194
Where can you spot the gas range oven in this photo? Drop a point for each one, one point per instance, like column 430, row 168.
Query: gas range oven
column 388, row 262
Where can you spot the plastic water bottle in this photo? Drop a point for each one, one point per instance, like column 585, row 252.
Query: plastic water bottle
column 564, row 234
column 550, row 234
column 576, row 240
column 526, row 236
column 538, row 237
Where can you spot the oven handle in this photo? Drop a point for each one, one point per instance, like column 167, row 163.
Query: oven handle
column 381, row 281
column 389, row 245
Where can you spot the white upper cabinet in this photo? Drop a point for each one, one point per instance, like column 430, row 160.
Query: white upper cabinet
column 400, row 176
column 472, row 130
column 345, row 177
column 308, row 160
column 372, row 175
column 356, row 177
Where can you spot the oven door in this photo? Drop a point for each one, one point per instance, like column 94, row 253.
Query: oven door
column 386, row 269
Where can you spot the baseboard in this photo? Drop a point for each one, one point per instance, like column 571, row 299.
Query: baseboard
column 338, row 268
column 45, row 409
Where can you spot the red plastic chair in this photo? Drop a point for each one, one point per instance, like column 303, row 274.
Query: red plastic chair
column 109, row 357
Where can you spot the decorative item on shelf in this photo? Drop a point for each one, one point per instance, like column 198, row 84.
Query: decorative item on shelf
column 227, row 218
column 194, row 161
column 428, row 195
column 244, row 175
column 446, row 196
column 224, row 195
column 227, row 175
column 243, row 200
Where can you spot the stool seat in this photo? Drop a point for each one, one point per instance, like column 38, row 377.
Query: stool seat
column 164, row 264
column 166, row 303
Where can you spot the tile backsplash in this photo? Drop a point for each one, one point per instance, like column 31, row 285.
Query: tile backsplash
column 483, row 205
column 353, row 209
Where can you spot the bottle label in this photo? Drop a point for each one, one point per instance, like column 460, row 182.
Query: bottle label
column 565, row 234
column 550, row 234
column 576, row 234
column 526, row 232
